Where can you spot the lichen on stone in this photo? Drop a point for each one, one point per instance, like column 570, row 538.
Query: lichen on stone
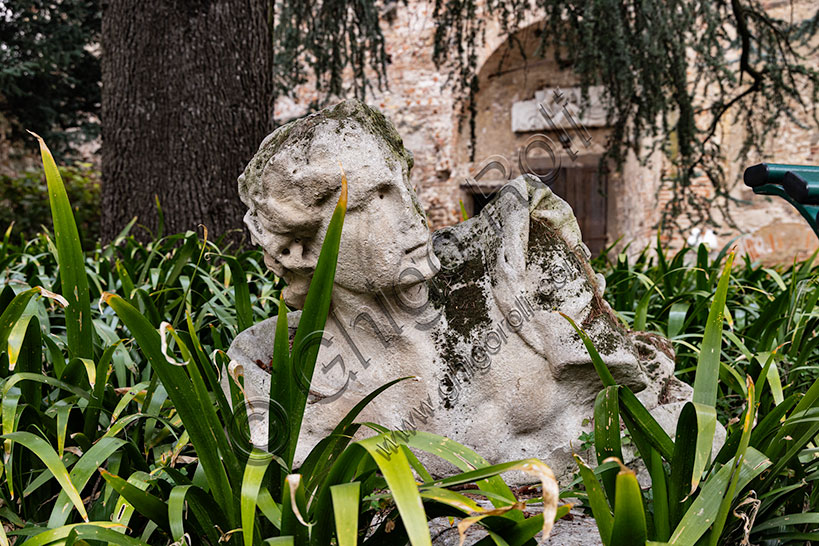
column 373, row 121
column 302, row 130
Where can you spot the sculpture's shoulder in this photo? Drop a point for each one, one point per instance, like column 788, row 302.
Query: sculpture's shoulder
column 546, row 206
column 526, row 246
column 505, row 222
column 511, row 251
column 256, row 343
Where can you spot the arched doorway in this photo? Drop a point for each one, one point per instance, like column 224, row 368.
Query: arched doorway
column 516, row 84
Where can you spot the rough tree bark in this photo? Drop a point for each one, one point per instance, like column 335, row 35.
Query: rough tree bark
column 187, row 96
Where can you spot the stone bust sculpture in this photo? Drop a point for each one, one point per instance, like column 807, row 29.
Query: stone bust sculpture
column 471, row 310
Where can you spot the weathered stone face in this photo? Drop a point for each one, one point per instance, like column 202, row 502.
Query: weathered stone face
column 291, row 187
column 477, row 322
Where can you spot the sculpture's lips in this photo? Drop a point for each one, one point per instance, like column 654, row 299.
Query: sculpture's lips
column 416, row 247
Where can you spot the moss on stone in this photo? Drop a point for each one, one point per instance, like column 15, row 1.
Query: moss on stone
column 464, row 306
column 607, row 342
column 466, row 309
column 546, row 249
column 453, row 360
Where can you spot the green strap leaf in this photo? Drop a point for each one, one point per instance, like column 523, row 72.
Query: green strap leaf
column 123, row 510
column 629, row 528
column 703, row 510
column 10, row 403
column 81, row 472
column 314, row 317
column 146, row 504
column 269, row 508
column 281, row 376
column 294, row 509
column 92, row 413
column 685, row 448
column 126, row 399
column 317, row 463
column 607, row 433
column 16, row 337
column 11, row 315
column 61, row 533
column 747, row 424
column 345, row 509
column 597, row 501
column 244, row 313
column 398, row 474
column 40, row 378
column 484, row 475
column 788, row 521
column 176, row 511
column 30, row 360
column 676, row 318
column 62, row 409
column 4, row 539
column 49, row 457
column 101, row 534
column 641, row 313
column 191, row 399
column 207, row 515
column 599, row 366
column 707, row 375
column 636, row 416
column 70, row 260
column 706, row 426
column 659, row 489
column 255, row 470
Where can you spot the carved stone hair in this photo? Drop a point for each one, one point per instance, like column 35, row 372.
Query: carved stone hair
column 300, row 132
column 347, row 131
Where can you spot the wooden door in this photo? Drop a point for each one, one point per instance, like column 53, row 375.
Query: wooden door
column 584, row 189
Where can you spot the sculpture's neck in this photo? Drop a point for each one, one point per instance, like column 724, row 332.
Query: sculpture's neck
column 385, row 319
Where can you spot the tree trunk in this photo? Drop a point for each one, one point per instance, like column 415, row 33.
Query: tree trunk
column 187, row 96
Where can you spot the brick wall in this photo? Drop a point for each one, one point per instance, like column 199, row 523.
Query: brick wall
column 422, row 106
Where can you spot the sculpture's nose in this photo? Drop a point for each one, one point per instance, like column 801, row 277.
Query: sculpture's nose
column 296, row 258
column 416, row 218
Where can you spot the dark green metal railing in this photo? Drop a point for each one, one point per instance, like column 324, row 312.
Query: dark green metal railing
column 796, row 184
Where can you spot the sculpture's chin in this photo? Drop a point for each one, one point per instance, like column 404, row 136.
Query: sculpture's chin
column 416, row 271
column 293, row 298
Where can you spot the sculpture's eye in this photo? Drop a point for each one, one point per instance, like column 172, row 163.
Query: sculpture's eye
column 286, row 251
column 383, row 190
column 252, row 224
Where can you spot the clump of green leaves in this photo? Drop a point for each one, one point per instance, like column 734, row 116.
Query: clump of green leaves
column 758, row 485
column 116, row 426
column 770, row 311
